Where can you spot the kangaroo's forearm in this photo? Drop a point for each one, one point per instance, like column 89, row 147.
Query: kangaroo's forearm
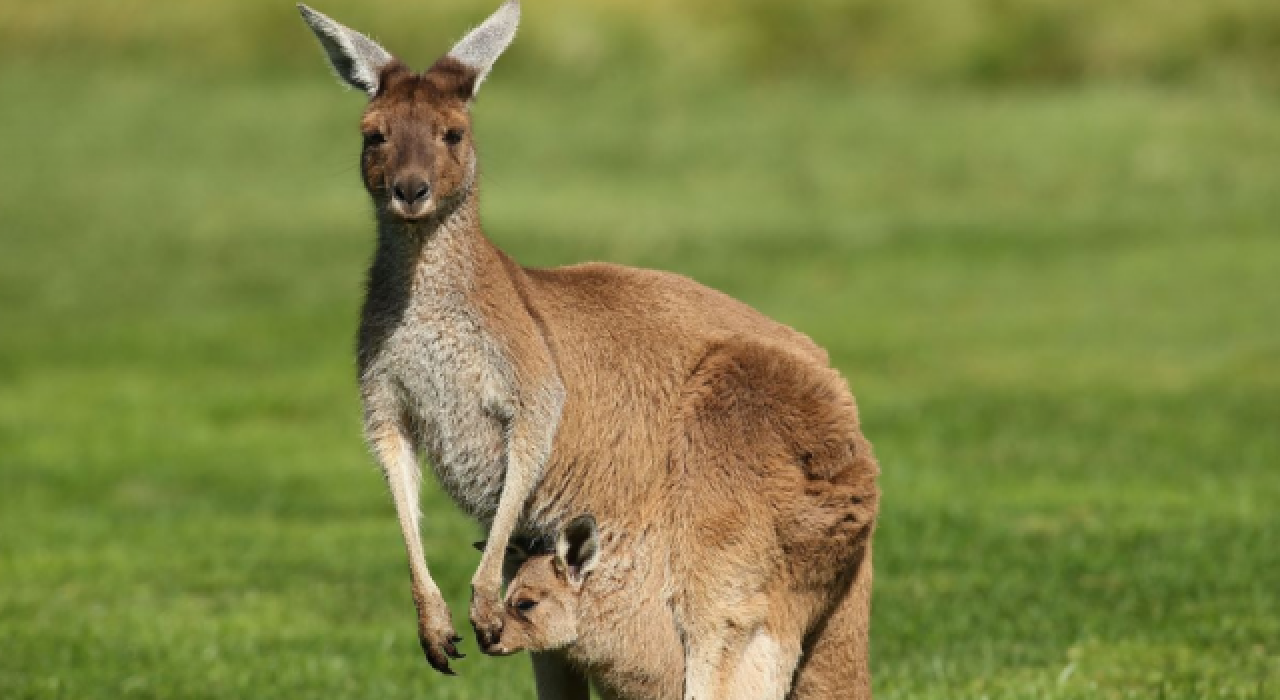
column 394, row 452
column 515, row 492
column 531, row 433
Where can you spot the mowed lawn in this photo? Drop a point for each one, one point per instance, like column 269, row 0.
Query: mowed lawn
column 1060, row 313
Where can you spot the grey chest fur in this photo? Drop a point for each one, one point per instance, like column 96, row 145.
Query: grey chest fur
column 454, row 383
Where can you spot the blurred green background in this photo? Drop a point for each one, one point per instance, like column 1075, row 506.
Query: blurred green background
column 1041, row 238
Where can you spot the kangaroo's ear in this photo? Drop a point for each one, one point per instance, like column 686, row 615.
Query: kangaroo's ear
column 578, row 549
column 515, row 549
column 480, row 48
column 357, row 59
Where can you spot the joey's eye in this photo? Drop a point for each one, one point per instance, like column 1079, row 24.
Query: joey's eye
column 525, row 605
column 453, row 136
column 374, row 138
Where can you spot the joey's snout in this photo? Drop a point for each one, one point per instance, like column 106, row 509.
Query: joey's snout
column 504, row 646
column 506, row 640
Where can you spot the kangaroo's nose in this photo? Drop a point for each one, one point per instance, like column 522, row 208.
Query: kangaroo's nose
column 410, row 189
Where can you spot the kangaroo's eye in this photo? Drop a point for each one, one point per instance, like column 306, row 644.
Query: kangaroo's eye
column 374, row 138
column 526, row 605
column 453, row 136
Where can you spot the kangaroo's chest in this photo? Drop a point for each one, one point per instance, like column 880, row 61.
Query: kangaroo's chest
column 455, row 384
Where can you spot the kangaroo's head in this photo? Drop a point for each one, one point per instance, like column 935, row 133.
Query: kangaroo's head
column 543, row 598
column 418, row 161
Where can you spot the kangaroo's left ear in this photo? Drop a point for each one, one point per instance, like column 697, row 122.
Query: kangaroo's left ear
column 578, row 549
column 480, row 49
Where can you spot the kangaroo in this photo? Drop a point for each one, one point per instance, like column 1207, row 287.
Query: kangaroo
column 612, row 621
column 539, row 394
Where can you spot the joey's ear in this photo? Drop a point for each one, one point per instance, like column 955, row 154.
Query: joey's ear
column 578, row 549
column 513, row 549
column 480, row 48
column 517, row 550
column 357, row 59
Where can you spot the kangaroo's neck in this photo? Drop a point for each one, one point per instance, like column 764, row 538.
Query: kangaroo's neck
column 434, row 255
column 440, row 248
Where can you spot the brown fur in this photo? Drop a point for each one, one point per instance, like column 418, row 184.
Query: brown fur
column 642, row 397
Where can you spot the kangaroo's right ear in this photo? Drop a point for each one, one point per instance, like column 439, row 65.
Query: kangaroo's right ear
column 357, row 59
column 578, row 549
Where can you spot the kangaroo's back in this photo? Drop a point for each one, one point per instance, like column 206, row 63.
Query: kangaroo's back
column 625, row 342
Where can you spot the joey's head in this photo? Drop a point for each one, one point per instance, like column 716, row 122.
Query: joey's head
column 542, row 606
column 417, row 159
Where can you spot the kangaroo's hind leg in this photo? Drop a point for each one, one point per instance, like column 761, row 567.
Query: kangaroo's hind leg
column 767, row 456
column 767, row 666
column 729, row 658
column 709, row 658
column 727, row 560
column 742, row 653
column 836, row 660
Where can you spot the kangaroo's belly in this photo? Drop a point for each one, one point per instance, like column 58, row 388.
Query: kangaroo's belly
column 456, row 389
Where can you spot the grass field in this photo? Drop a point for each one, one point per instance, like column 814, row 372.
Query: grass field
column 1060, row 311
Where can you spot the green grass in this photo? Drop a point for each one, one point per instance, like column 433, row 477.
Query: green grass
column 1059, row 312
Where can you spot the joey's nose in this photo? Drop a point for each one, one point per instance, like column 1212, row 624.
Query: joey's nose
column 410, row 190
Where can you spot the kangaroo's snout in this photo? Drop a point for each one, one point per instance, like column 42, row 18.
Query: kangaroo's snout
column 410, row 192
